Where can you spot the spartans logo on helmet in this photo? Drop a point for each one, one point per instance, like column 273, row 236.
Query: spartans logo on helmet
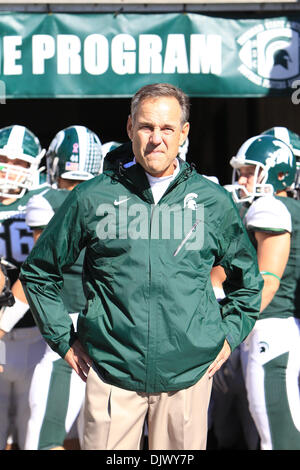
column 293, row 140
column 75, row 153
column 290, row 138
column 20, row 158
column 274, row 163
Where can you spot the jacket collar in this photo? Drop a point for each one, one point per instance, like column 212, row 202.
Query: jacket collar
column 117, row 166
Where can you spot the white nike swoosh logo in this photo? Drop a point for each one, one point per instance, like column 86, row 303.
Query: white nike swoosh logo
column 117, row 203
column 21, row 208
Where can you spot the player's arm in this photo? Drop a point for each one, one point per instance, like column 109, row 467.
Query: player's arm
column 11, row 315
column 35, row 212
column 218, row 276
column 270, row 222
column 272, row 256
column 36, row 234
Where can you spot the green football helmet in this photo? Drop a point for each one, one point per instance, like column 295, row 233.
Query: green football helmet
column 287, row 136
column 271, row 157
column 293, row 140
column 75, row 153
column 18, row 142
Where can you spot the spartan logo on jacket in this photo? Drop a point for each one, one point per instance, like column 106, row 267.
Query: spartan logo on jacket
column 190, row 201
column 126, row 219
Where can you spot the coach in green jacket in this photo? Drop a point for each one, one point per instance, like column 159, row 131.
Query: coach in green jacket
column 152, row 334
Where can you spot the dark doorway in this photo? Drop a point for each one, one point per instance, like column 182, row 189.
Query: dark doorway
column 218, row 125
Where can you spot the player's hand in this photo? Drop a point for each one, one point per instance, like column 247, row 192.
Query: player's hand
column 1, row 369
column 220, row 359
column 77, row 358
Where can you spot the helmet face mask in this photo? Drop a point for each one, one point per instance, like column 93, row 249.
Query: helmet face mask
column 274, row 164
column 259, row 185
column 19, row 145
column 75, row 153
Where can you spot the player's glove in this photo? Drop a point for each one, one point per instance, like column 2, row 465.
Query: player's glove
column 6, row 297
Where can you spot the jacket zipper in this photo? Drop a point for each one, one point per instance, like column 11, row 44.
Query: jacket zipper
column 186, row 238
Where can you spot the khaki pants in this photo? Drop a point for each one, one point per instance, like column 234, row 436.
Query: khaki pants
column 114, row 417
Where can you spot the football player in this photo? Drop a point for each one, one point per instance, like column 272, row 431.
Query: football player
column 57, row 392
column 263, row 171
column 20, row 159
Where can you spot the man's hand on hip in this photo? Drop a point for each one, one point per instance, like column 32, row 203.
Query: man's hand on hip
column 77, row 358
column 220, row 359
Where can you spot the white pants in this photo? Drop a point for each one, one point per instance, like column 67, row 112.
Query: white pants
column 23, row 347
column 272, row 353
column 56, row 397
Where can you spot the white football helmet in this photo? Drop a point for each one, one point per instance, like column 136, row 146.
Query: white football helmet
column 18, row 142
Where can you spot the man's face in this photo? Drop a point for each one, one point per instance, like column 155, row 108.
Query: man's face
column 12, row 174
column 156, row 134
column 14, row 163
column 246, row 177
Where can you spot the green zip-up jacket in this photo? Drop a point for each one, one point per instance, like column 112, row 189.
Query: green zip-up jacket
column 151, row 322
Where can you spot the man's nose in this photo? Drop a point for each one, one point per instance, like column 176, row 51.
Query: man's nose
column 242, row 180
column 156, row 136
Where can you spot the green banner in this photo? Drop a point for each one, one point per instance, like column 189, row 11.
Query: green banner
column 106, row 55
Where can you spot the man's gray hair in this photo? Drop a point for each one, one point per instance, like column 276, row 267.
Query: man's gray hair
column 157, row 90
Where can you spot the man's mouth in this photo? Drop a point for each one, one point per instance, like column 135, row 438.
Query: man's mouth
column 155, row 152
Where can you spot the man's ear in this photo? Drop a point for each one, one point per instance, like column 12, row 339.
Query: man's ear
column 129, row 127
column 184, row 132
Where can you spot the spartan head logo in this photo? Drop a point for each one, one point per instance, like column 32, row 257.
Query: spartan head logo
column 278, row 53
column 281, row 155
column 270, row 55
column 189, row 201
column 283, row 58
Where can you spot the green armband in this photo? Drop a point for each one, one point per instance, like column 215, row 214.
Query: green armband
column 267, row 273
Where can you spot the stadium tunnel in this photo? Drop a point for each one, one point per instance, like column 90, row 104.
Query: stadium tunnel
column 218, row 125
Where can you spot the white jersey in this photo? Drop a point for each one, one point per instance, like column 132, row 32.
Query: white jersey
column 268, row 214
